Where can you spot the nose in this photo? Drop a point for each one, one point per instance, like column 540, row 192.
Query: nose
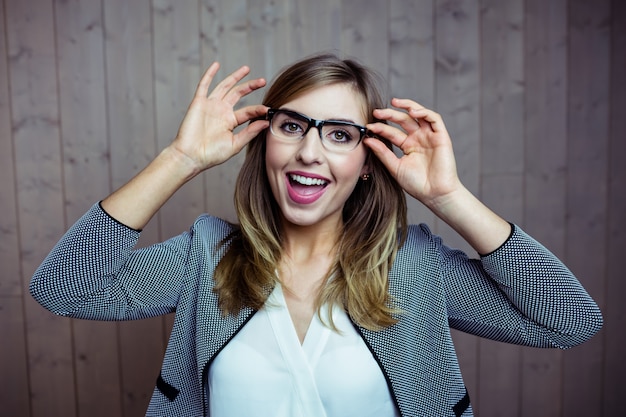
column 311, row 148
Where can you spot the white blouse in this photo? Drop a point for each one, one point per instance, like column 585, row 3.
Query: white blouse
column 265, row 371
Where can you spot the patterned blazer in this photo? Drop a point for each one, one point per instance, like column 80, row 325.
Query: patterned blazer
column 520, row 293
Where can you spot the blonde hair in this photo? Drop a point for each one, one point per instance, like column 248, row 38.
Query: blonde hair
column 374, row 215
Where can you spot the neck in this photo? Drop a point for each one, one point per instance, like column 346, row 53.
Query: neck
column 306, row 243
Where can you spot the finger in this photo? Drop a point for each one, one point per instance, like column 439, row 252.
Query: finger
column 206, row 80
column 434, row 119
column 406, row 104
column 248, row 113
column 382, row 152
column 391, row 133
column 242, row 90
column 398, row 117
column 249, row 132
column 229, row 82
column 420, row 113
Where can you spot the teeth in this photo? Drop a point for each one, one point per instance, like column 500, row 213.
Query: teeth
column 306, row 180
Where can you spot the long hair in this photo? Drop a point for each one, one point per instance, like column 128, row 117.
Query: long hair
column 374, row 216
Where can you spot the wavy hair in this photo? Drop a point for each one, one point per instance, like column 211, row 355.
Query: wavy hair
column 374, row 216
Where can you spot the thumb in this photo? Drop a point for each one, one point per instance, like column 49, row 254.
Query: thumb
column 249, row 132
column 382, row 152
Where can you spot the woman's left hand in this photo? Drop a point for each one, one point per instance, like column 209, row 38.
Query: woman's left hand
column 427, row 168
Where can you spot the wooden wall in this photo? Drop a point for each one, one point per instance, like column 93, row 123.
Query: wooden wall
column 532, row 91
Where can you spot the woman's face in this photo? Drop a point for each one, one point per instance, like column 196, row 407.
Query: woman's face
column 310, row 183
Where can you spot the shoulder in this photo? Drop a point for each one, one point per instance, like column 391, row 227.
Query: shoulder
column 419, row 238
column 211, row 223
column 418, row 255
column 212, row 230
column 424, row 254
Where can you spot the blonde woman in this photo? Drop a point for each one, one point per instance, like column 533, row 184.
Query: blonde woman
column 321, row 301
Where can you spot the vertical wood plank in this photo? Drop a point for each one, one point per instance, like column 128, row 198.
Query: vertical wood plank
column 270, row 45
column 14, row 395
column 35, row 124
column 131, row 126
column 317, row 26
column 176, row 74
column 502, row 182
column 615, row 309
column 588, row 140
column 224, row 37
column 80, row 51
column 13, row 361
column 502, row 86
column 457, row 81
column 365, row 34
column 10, row 279
column 412, row 68
column 545, row 176
column 224, row 28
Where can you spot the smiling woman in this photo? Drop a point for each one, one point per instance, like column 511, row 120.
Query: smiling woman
column 321, row 301
column 310, row 158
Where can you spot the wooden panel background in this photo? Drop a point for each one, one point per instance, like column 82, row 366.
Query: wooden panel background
column 533, row 93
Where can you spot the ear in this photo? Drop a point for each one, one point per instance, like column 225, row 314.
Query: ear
column 365, row 174
column 367, row 165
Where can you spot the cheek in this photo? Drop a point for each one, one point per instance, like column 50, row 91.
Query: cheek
column 277, row 154
column 351, row 167
column 273, row 156
column 276, row 158
column 270, row 170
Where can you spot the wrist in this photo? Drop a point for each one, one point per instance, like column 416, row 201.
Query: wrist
column 179, row 165
column 483, row 229
column 451, row 201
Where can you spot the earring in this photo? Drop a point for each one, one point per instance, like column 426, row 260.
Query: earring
column 365, row 177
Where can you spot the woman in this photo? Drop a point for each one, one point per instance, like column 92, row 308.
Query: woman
column 321, row 301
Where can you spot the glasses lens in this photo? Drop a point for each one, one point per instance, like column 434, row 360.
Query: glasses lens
column 340, row 135
column 288, row 125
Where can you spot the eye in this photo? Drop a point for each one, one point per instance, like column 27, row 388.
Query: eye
column 341, row 135
column 292, row 127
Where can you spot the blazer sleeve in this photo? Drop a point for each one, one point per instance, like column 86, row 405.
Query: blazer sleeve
column 95, row 273
column 521, row 293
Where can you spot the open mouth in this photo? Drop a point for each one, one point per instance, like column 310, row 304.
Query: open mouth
column 306, row 181
column 305, row 189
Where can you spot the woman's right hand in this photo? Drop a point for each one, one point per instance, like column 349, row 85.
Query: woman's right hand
column 205, row 137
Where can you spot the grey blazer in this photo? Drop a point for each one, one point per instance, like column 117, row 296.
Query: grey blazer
column 521, row 293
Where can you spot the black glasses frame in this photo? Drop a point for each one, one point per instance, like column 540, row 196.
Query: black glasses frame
column 319, row 124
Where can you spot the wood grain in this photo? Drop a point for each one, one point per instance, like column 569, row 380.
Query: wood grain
column 11, row 282
column 132, row 138
column 40, row 200
column 225, row 31
column 587, row 174
column 412, row 67
column 614, row 366
column 82, row 107
column 457, row 83
column 545, row 177
column 531, row 92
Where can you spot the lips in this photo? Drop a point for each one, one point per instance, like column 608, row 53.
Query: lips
column 305, row 188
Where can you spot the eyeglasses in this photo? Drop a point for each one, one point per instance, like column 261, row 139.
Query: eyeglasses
column 336, row 135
